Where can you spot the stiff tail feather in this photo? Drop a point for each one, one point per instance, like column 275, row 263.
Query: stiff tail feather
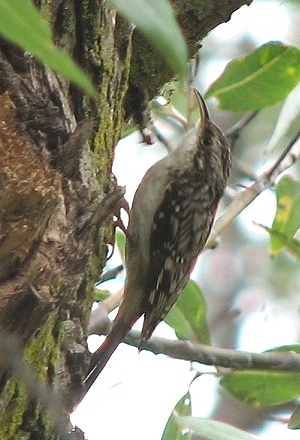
column 103, row 353
column 99, row 360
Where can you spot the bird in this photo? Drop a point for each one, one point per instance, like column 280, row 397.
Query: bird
column 171, row 216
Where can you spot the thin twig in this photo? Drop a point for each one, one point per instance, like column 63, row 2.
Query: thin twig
column 233, row 133
column 111, row 274
column 99, row 322
column 266, row 180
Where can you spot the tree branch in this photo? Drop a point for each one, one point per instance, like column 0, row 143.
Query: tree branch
column 207, row 355
column 221, row 357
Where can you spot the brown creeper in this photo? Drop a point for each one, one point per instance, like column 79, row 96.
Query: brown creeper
column 170, row 220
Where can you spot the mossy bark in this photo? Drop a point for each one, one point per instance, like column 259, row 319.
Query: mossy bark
column 56, row 153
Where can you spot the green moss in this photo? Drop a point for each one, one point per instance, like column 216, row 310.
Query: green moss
column 87, row 304
column 46, row 8
column 47, row 423
column 42, row 350
column 13, row 405
column 109, row 113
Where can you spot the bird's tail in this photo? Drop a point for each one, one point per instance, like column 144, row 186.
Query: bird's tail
column 104, row 352
column 100, row 358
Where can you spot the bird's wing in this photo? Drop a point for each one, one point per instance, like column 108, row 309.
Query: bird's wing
column 178, row 235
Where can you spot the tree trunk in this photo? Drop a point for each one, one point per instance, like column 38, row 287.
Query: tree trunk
column 57, row 194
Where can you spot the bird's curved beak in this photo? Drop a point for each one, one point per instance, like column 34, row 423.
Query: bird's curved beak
column 203, row 112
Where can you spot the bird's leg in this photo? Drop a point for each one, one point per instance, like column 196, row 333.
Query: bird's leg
column 118, row 223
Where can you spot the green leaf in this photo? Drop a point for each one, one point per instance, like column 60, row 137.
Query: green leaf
column 290, row 244
column 188, row 315
column 157, row 21
column 294, row 422
column 212, row 429
column 100, row 295
column 263, row 388
column 21, row 23
column 287, row 125
column 120, row 238
column 172, row 431
column 258, row 80
column 282, row 348
column 287, row 218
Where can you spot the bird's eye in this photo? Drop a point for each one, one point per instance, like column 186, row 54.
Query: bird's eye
column 207, row 141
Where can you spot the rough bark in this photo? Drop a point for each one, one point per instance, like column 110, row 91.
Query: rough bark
column 57, row 192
